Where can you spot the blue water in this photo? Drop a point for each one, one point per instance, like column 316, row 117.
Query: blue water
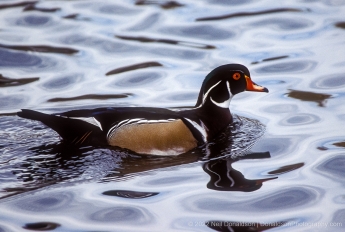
column 279, row 167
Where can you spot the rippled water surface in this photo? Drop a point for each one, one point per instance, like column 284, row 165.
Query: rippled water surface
column 279, row 167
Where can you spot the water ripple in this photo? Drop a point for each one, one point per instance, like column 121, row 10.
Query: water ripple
column 62, row 82
column 339, row 217
column 13, row 101
column 295, row 197
column 334, row 166
column 34, row 21
column 284, row 199
column 50, row 203
column 330, row 81
column 139, row 79
column 285, row 24
column 123, row 214
column 281, row 108
column 300, row 119
column 206, row 32
column 117, row 10
column 288, row 67
column 18, row 59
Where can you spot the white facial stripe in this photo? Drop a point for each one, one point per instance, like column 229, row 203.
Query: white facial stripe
column 206, row 94
column 201, row 129
column 90, row 120
column 226, row 103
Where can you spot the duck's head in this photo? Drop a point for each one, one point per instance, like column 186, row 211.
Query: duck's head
column 221, row 84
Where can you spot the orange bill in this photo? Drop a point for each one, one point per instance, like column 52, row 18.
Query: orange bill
column 251, row 86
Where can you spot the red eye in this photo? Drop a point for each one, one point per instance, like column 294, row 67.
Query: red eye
column 236, row 76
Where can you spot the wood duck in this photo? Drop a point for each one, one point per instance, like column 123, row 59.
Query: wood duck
column 155, row 131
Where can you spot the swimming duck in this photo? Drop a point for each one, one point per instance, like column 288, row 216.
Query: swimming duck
column 156, row 131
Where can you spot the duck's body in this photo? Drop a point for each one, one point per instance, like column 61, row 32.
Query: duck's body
column 155, row 131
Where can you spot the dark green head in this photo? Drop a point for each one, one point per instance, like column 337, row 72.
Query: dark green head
column 222, row 83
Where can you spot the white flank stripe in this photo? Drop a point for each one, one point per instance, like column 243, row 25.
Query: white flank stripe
column 90, row 120
column 201, row 129
column 137, row 121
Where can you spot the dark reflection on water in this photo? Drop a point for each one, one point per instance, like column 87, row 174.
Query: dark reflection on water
column 225, row 178
column 164, row 4
column 33, row 7
column 41, row 48
column 167, row 41
column 17, row 4
column 246, row 14
column 287, row 168
column 270, row 59
column 7, row 82
column 339, row 144
column 340, row 25
column 41, row 226
column 91, row 96
column 133, row 67
column 129, row 194
column 319, row 98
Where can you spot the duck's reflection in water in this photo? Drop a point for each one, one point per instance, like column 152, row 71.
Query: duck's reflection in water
column 225, row 178
column 56, row 163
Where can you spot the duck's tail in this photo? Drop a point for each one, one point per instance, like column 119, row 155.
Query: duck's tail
column 71, row 131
